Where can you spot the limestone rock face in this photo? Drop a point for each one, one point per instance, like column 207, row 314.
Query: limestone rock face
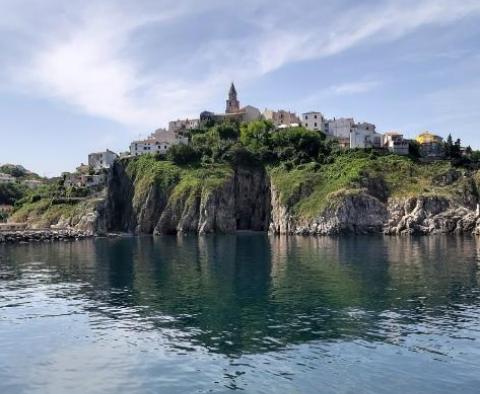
column 247, row 199
column 369, row 210
column 240, row 202
column 429, row 215
column 357, row 212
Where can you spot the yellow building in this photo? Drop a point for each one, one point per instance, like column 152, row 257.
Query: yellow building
column 429, row 138
column 431, row 145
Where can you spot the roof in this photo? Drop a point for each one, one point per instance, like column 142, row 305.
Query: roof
column 428, row 137
column 392, row 133
column 151, row 141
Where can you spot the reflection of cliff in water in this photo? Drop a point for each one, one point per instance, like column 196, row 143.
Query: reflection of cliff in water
column 249, row 292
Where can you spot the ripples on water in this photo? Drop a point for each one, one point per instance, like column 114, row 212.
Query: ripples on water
column 246, row 312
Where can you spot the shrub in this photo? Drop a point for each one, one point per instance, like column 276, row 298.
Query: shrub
column 182, row 154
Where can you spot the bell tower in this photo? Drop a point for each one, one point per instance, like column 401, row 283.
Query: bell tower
column 233, row 105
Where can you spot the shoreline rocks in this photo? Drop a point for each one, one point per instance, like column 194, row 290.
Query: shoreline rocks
column 27, row 236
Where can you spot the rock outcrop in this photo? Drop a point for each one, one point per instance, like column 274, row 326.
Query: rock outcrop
column 238, row 201
column 368, row 208
column 146, row 196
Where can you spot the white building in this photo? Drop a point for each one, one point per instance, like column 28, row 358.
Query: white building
column 157, row 142
column 6, row 178
column 250, row 113
column 84, row 180
column 183, row 124
column 282, row 118
column 339, row 128
column 313, row 121
column 363, row 135
column 395, row 143
column 101, row 160
column 32, row 183
column 142, row 147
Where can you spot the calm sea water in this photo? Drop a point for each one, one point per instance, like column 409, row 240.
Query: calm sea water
column 242, row 312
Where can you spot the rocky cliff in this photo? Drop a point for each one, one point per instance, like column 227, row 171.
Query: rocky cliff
column 148, row 196
column 390, row 197
column 353, row 194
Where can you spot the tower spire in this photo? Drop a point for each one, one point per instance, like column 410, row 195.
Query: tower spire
column 233, row 105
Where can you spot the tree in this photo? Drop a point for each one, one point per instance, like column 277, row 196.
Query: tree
column 256, row 135
column 448, row 147
column 182, row 154
column 296, row 143
column 414, row 149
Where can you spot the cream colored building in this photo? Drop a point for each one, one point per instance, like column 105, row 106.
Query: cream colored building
column 183, row 124
column 363, row 135
column 6, row 178
column 395, row 143
column 281, row 117
column 101, row 160
column 313, row 121
column 339, row 128
column 157, row 142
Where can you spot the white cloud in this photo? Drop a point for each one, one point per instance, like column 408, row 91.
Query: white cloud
column 88, row 65
column 354, row 87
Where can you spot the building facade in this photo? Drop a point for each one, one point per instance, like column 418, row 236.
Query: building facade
column 431, row 145
column 101, row 160
column 157, row 142
column 143, row 147
column 6, row 178
column 282, row 118
column 362, row 137
column 176, row 126
column 313, row 121
column 395, row 143
column 232, row 103
column 339, row 128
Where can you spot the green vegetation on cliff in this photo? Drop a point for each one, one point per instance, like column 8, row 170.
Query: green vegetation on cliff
column 310, row 188
column 182, row 181
column 308, row 172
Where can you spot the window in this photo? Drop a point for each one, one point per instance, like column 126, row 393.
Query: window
column 315, row 116
column 315, row 124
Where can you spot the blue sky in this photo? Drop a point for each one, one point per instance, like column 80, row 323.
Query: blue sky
column 81, row 76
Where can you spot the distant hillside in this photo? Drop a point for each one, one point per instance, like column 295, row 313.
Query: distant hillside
column 18, row 171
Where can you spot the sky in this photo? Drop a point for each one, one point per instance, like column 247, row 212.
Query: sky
column 82, row 76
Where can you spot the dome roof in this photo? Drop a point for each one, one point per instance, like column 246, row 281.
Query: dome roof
column 428, row 138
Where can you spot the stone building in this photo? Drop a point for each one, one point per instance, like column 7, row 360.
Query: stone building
column 232, row 103
column 233, row 110
column 363, row 135
column 101, row 160
column 282, row 118
column 183, row 124
column 313, row 121
column 339, row 127
column 431, row 145
column 6, row 178
column 395, row 143
column 157, row 142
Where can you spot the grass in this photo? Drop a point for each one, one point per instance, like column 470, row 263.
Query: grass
column 309, row 189
column 43, row 214
column 182, row 181
column 201, row 181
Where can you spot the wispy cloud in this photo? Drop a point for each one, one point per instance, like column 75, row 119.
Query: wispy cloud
column 354, row 87
column 89, row 63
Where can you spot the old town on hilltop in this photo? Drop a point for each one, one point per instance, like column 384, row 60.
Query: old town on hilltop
column 346, row 132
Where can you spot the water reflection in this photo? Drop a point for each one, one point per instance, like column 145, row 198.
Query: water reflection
column 251, row 293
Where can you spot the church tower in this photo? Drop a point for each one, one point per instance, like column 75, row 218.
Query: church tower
column 233, row 105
